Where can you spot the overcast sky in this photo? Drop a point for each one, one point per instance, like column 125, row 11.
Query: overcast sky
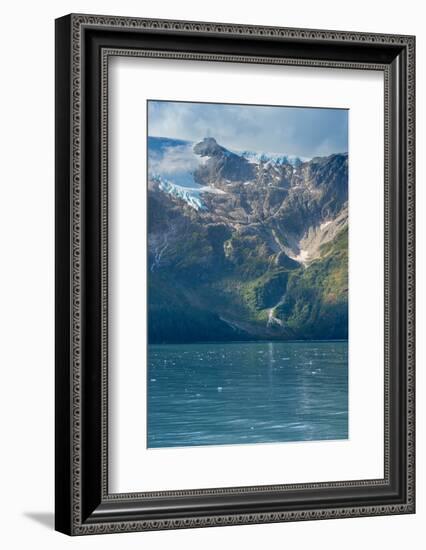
column 300, row 131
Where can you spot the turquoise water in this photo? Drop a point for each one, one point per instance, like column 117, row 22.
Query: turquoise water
column 255, row 392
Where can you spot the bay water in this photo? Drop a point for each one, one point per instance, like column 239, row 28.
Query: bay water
column 247, row 392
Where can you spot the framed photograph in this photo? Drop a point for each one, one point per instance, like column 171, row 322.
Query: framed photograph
column 234, row 274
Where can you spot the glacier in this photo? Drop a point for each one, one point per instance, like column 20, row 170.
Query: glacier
column 276, row 158
column 188, row 194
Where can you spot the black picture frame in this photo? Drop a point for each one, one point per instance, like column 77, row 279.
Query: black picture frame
column 83, row 504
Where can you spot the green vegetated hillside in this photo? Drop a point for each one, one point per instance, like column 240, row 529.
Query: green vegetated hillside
column 236, row 303
column 316, row 301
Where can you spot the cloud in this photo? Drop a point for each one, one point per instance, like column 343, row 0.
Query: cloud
column 298, row 131
column 174, row 160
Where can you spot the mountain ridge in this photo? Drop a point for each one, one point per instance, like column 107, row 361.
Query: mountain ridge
column 255, row 255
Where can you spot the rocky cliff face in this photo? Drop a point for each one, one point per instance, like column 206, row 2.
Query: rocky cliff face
column 245, row 248
column 221, row 166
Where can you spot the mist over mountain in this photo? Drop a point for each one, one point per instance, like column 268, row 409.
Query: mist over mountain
column 245, row 246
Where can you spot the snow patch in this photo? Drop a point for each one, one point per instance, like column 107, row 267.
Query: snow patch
column 325, row 224
column 276, row 158
column 302, row 257
column 209, row 189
